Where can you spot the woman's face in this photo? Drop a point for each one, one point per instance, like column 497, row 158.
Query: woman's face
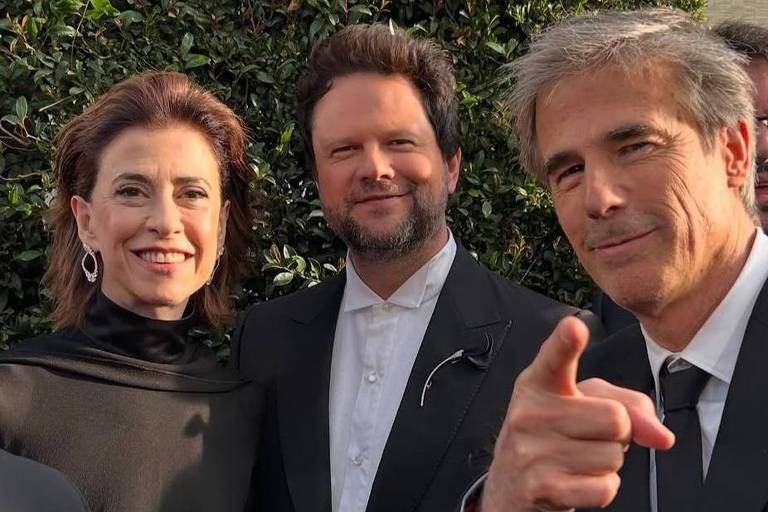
column 156, row 217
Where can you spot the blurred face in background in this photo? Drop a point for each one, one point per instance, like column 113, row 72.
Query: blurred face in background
column 155, row 217
column 758, row 72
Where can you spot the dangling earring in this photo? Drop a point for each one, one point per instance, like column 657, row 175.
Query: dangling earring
column 90, row 276
column 213, row 272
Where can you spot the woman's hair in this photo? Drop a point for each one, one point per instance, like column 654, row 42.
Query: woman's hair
column 150, row 100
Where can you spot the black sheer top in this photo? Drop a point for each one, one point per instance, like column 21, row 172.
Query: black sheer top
column 136, row 415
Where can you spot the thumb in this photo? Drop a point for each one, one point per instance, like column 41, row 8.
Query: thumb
column 647, row 430
column 555, row 367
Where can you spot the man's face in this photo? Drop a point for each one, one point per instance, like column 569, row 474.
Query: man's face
column 758, row 72
column 382, row 178
column 645, row 206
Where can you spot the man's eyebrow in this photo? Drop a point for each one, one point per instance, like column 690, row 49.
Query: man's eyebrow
column 557, row 160
column 636, row 130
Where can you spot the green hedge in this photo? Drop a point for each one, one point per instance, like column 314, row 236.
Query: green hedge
column 56, row 56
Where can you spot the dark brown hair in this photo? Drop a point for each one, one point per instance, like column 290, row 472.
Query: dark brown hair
column 151, row 100
column 745, row 38
column 386, row 50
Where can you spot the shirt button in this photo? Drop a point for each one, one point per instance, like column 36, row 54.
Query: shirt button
column 372, row 378
column 387, row 306
column 357, row 460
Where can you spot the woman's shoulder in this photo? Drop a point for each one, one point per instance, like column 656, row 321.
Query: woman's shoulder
column 69, row 354
column 44, row 343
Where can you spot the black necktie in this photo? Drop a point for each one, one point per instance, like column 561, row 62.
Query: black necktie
column 678, row 470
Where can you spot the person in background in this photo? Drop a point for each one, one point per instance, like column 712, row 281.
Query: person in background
column 386, row 385
column 642, row 126
column 150, row 228
column 27, row 486
column 751, row 41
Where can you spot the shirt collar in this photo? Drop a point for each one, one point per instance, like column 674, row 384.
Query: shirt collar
column 424, row 285
column 715, row 347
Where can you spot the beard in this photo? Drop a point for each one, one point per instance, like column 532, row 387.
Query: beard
column 422, row 221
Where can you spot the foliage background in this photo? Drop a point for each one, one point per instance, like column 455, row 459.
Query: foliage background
column 56, row 56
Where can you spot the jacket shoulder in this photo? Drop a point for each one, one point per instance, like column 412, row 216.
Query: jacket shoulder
column 531, row 305
column 254, row 342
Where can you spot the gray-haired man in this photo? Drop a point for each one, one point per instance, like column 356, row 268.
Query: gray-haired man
column 641, row 124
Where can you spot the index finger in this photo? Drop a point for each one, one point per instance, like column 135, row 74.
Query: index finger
column 555, row 367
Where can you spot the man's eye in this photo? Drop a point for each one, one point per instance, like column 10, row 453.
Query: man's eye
column 636, row 147
column 401, row 142
column 566, row 177
column 570, row 171
column 342, row 150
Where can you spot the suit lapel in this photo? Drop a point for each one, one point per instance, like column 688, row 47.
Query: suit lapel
column 738, row 472
column 464, row 317
column 303, row 398
column 622, row 359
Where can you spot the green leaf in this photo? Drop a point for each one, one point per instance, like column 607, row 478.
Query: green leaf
column 195, row 60
column 261, row 76
column 62, row 30
column 128, row 17
column 29, row 255
column 10, row 119
column 283, row 278
column 285, row 137
column 316, row 27
column 274, row 254
column 21, row 107
column 186, row 44
column 101, row 8
column 498, row 48
column 14, row 195
column 487, row 209
column 301, row 264
column 360, row 9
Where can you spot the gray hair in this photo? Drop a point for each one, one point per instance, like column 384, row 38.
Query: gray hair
column 748, row 39
column 715, row 89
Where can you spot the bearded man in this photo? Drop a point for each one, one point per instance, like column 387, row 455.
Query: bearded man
column 386, row 386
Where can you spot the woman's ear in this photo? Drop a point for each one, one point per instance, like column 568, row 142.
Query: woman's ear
column 223, row 218
column 81, row 209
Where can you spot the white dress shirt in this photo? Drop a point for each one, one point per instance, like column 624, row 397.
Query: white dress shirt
column 375, row 347
column 714, row 349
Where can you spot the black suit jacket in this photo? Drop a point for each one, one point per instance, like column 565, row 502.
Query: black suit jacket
column 433, row 453
column 737, row 479
column 26, row 486
column 613, row 317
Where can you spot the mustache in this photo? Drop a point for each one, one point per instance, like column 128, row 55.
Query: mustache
column 368, row 188
column 618, row 230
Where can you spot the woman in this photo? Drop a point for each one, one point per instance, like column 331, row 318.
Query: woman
column 150, row 229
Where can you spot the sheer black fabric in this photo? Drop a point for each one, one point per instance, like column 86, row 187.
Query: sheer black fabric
column 135, row 415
